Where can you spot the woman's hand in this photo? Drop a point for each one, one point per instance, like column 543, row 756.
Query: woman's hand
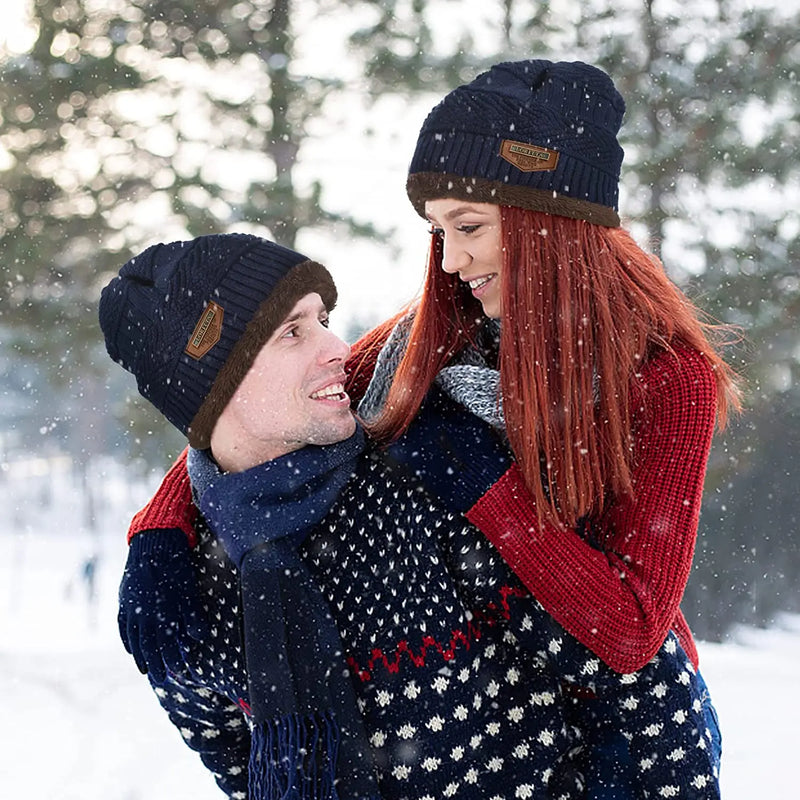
column 455, row 455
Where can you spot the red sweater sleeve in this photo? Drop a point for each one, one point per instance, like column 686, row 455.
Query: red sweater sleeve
column 172, row 507
column 622, row 601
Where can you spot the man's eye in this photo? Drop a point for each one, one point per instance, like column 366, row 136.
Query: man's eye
column 291, row 333
column 325, row 322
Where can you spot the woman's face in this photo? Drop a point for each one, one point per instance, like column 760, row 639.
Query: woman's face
column 470, row 234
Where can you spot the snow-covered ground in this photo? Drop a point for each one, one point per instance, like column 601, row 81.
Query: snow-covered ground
column 80, row 723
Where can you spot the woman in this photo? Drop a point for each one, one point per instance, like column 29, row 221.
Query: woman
column 599, row 371
column 609, row 383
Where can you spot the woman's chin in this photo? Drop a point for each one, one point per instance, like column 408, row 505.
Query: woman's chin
column 491, row 307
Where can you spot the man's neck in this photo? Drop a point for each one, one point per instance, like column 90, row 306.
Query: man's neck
column 237, row 454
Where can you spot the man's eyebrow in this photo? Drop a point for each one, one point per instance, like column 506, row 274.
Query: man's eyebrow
column 305, row 313
column 294, row 317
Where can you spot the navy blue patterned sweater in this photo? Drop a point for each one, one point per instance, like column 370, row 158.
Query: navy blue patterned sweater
column 458, row 671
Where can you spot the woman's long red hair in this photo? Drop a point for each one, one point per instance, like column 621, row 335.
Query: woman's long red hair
column 583, row 306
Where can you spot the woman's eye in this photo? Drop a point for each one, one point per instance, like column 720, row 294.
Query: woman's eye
column 437, row 232
column 291, row 333
column 468, row 228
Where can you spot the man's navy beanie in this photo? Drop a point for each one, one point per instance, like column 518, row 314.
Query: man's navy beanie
column 535, row 134
column 188, row 319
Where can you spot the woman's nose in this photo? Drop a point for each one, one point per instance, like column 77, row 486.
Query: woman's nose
column 454, row 258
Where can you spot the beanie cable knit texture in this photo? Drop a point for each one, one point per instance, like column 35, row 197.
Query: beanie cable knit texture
column 535, row 134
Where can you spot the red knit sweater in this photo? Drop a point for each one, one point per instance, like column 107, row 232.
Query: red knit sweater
column 620, row 602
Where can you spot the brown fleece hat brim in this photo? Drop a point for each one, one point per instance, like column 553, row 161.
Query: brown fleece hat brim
column 423, row 186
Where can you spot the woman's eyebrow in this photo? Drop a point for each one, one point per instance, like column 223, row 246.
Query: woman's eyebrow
column 461, row 210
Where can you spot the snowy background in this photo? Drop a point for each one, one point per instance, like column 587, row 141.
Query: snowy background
column 80, row 723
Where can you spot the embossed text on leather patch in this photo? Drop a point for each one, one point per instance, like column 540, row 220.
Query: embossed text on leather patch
column 528, row 157
column 207, row 331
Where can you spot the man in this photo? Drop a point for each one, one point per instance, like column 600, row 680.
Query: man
column 363, row 641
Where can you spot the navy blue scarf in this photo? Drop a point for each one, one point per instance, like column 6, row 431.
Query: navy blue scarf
column 308, row 739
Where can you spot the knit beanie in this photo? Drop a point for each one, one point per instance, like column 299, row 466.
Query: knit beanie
column 187, row 319
column 534, row 134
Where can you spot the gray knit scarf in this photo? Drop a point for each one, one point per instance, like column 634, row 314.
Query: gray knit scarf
column 471, row 380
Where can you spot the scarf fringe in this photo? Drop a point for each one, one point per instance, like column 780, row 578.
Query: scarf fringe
column 294, row 758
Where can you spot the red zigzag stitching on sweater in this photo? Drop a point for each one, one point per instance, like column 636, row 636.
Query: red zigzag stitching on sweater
column 392, row 663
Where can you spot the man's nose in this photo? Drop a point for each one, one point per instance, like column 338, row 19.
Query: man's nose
column 333, row 348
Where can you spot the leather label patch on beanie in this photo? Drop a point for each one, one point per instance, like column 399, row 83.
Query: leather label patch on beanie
column 207, row 331
column 528, row 157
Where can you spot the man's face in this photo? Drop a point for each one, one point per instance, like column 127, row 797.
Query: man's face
column 293, row 394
